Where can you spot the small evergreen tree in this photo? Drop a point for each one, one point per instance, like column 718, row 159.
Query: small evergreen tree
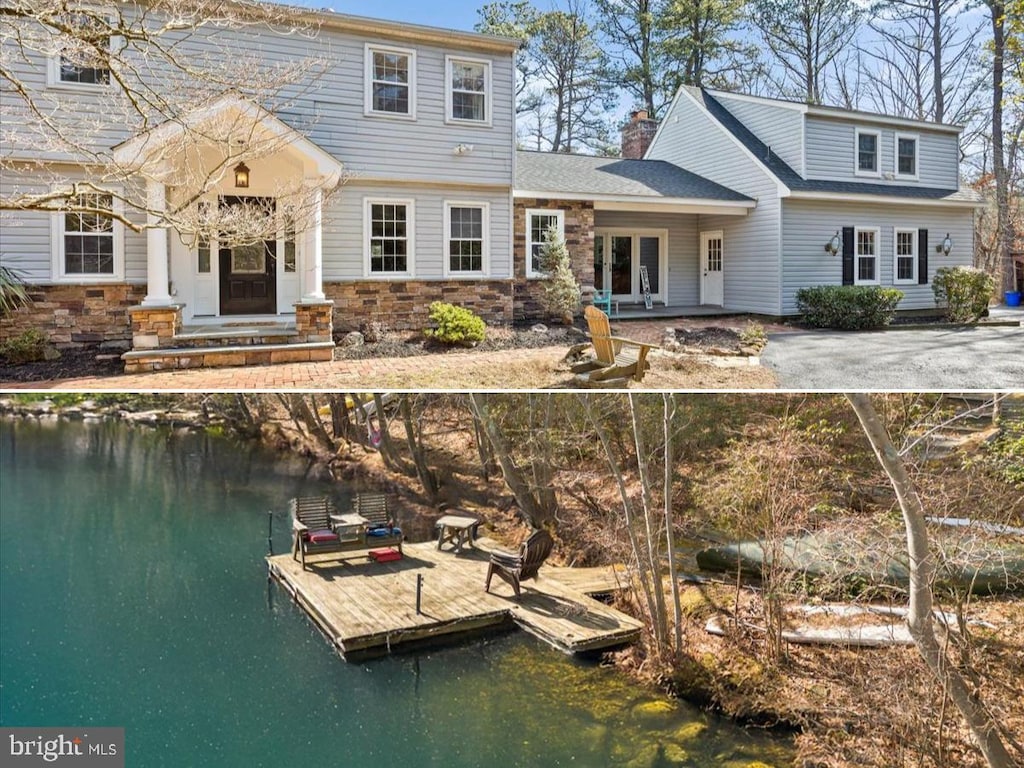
column 561, row 291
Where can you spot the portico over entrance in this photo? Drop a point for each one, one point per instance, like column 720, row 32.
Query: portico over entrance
column 235, row 211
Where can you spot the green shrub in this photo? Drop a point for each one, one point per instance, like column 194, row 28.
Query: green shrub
column 455, row 325
column 561, row 291
column 964, row 290
column 848, row 307
column 27, row 347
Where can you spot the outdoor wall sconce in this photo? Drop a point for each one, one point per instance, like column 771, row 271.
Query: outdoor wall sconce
column 833, row 245
column 945, row 246
column 242, row 176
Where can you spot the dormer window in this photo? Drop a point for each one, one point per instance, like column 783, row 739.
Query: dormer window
column 867, row 143
column 906, row 156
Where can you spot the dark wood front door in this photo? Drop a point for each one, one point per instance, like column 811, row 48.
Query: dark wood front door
column 248, row 273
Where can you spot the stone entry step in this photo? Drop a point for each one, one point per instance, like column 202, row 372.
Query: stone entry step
column 143, row 361
column 235, row 335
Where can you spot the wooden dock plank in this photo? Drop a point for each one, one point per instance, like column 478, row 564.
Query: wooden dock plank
column 362, row 605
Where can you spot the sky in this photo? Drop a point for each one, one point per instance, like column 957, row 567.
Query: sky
column 451, row 14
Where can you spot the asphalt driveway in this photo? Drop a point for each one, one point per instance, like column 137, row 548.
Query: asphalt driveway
column 916, row 359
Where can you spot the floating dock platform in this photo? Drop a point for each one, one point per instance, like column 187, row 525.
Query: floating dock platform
column 365, row 607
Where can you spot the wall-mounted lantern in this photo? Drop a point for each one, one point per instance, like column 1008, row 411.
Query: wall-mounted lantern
column 945, row 246
column 242, row 176
column 833, row 245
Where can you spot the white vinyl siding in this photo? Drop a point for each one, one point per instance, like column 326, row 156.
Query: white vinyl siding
column 467, row 90
column 77, row 69
column 904, row 266
column 467, row 239
column 808, row 225
column 691, row 139
column 390, row 82
column 865, row 255
column 779, row 127
column 830, row 148
column 538, row 222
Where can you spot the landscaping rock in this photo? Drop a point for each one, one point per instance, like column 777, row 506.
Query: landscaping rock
column 353, row 339
column 51, row 353
column 539, row 328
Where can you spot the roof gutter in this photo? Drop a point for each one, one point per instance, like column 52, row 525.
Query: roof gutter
column 889, row 199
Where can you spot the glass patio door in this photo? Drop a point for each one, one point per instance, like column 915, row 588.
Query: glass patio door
column 620, row 266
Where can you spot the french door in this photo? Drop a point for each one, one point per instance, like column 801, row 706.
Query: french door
column 619, row 255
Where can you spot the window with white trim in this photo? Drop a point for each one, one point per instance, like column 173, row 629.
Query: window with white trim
column 389, row 228
column 466, row 237
column 88, row 243
column 390, row 81
column 868, row 144
column 866, row 256
column 906, row 156
column 84, row 60
column 538, row 224
column 904, row 268
column 469, row 90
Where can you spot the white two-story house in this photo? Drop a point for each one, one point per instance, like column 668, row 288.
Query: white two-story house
column 737, row 202
column 399, row 148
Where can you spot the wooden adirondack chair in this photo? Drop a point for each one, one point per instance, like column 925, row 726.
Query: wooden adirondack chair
column 614, row 356
column 515, row 568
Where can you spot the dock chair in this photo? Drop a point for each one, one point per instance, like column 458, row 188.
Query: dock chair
column 381, row 530
column 614, row 356
column 515, row 568
column 313, row 531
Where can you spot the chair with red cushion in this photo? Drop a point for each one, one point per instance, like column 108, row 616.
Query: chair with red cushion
column 312, row 527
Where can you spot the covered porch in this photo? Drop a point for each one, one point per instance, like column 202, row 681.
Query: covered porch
column 234, row 241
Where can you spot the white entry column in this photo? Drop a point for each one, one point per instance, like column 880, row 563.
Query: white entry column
column 158, row 280
column 313, row 269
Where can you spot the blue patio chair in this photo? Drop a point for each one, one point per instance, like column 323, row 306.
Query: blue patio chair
column 604, row 298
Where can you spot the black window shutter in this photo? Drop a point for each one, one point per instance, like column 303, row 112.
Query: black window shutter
column 847, row 255
column 922, row 257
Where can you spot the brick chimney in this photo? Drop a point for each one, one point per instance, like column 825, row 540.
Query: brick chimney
column 637, row 135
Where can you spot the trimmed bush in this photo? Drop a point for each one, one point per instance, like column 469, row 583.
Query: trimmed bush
column 848, row 307
column 964, row 290
column 561, row 291
column 455, row 325
column 27, row 347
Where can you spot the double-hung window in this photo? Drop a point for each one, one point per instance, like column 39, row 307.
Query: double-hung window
column 389, row 242
column 866, row 256
column 88, row 243
column 905, row 256
column 868, row 144
column 906, row 156
column 538, row 224
column 390, row 81
column 466, row 238
column 469, row 90
column 85, row 58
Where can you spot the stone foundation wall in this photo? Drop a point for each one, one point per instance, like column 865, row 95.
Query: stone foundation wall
column 313, row 322
column 77, row 315
column 405, row 304
column 155, row 327
column 579, row 239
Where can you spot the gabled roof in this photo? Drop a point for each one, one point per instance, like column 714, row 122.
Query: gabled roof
column 584, row 176
column 801, row 187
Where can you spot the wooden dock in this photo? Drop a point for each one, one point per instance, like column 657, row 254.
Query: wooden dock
column 364, row 607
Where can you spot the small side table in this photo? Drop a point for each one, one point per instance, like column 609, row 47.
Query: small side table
column 457, row 530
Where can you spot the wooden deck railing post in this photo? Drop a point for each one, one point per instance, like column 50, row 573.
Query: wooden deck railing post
column 270, row 532
column 419, row 592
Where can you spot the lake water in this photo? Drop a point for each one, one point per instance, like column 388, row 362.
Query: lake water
column 133, row 593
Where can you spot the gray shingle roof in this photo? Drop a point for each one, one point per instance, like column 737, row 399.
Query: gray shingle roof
column 555, row 174
column 797, row 183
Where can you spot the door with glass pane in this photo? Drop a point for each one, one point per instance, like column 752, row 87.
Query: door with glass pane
column 620, row 266
column 712, row 286
column 248, row 271
column 618, row 256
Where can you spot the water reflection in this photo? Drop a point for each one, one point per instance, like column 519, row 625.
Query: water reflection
column 133, row 593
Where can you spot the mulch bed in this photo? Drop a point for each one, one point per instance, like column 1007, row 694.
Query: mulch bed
column 499, row 339
column 711, row 337
column 72, row 364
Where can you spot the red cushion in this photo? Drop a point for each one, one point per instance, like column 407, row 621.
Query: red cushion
column 385, row 555
column 322, row 537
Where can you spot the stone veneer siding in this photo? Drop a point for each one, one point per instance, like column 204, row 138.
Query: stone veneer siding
column 579, row 239
column 405, row 304
column 74, row 316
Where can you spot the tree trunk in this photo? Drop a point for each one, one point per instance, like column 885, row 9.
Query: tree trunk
column 937, row 87
column 535, row 513
column 922, row 569
column 428, row 478
column 1003, row 260
column 669, row 412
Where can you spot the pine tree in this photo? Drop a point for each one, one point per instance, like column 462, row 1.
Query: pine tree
column 561, row 291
